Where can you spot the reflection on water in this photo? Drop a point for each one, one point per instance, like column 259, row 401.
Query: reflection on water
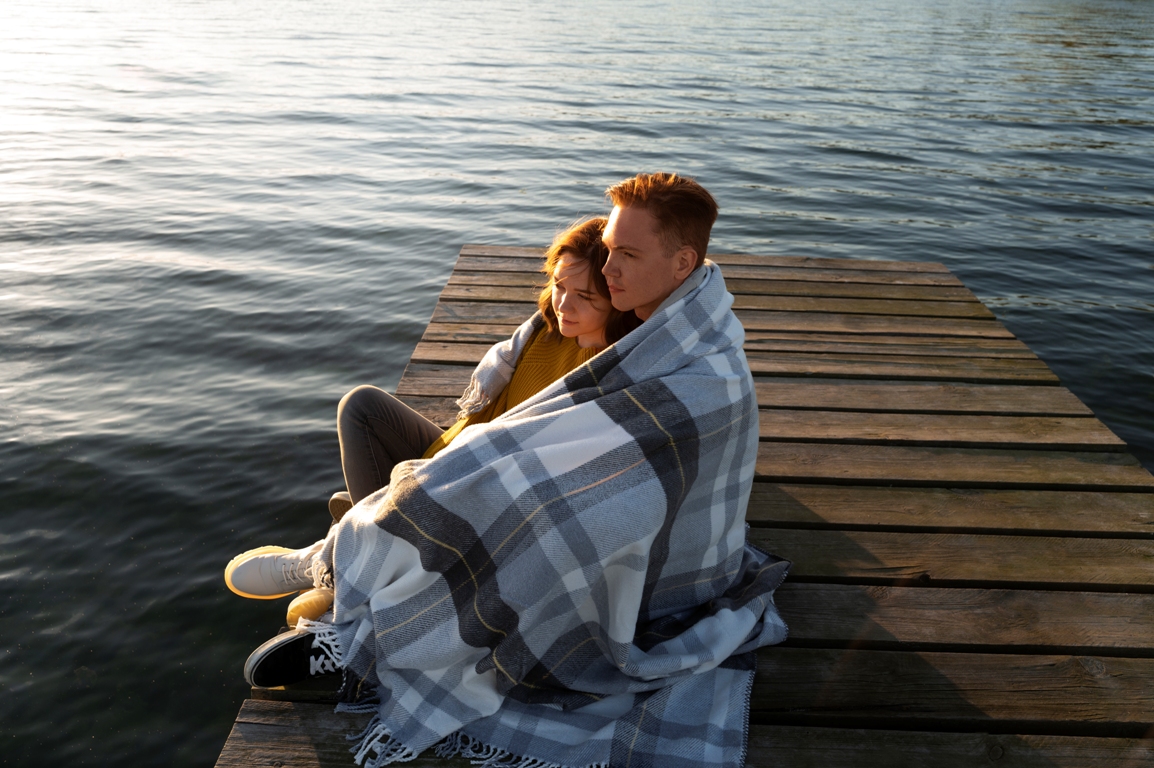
column 216, row 218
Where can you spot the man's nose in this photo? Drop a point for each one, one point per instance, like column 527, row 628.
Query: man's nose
column 610, row 267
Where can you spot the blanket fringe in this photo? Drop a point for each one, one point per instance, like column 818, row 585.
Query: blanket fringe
column 485, row 756
column 378, row 748
column 357, row 694
column 326, row 637
column 472, row 401
column 384, row 749
column 360, row 707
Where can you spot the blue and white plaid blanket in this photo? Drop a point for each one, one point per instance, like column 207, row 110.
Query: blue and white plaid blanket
column 570, row 585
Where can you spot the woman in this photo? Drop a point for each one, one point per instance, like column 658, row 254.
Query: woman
column 377, row 431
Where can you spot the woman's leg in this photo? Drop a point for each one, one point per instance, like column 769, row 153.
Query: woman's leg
column 377, row 431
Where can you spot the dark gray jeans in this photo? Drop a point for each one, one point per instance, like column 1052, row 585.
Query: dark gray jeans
column 377, row 431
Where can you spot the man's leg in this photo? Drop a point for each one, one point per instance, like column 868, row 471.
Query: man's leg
column 377, row 431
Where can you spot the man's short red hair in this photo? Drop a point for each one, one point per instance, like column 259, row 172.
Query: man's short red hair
column 685, row 212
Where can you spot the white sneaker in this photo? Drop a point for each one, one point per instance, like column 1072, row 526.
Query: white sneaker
column 266, row 573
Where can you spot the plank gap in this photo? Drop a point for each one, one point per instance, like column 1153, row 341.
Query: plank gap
column 889, row 374
column 927, row 581
column 949, row 443
column 1000, row 649
column 1072, row 533
column 962, row 725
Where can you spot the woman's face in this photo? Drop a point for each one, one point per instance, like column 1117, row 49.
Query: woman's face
column 581, row 311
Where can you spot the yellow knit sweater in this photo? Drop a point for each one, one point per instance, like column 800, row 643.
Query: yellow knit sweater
column 546, row 358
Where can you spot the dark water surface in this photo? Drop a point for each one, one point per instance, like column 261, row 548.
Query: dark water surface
column 217, row 217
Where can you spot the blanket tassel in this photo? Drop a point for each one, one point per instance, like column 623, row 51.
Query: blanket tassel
column 385, row 749
column 484, row 756
column 326, row 637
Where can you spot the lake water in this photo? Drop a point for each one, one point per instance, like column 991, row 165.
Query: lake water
column 217, row 217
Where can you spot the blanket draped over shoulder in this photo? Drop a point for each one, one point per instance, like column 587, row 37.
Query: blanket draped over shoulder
column 570, row 584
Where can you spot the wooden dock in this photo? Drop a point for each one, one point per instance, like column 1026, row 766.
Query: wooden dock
column 973, row 550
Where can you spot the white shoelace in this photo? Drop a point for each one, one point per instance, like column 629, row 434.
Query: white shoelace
column 301, row 570
column 323, row 664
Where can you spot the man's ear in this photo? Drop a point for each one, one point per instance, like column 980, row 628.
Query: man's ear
column 685, row 262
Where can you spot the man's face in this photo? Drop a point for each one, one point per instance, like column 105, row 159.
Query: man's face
column 640, row 270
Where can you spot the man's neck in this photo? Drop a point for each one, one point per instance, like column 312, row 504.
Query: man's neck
column 689, row 283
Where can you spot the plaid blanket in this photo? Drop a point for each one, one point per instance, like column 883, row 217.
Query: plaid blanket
column 570, row 585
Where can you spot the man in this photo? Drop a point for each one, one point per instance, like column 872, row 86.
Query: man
column 585, row 551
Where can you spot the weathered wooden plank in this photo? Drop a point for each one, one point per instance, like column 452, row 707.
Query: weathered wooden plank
column 989, row 620
column 829, row 364
column 534, row 279
column 950, row 467
column 784, row 746
column 1008, row 347
column 514, row 313
column 469, row 263
column 434, row 380
column 912, row 367
column 808, row 262
column 865, row 345
column 475, row 333
column 962, row 559
column 490, row 292
column 529, row 278
column 1075, row 695
column 892, row 396
column 849, row 274
column 779, row 287
column 896, row 307
column 806, row 322
column 1054, row 432
column 892, row 307
column 1058, row 513
column 301, row 735
column 502, row 313
column 771, row 341
column 441, row 352
column 442, row 411
column 323, row 689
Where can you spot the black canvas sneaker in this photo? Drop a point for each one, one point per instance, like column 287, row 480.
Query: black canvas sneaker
column 289, row 658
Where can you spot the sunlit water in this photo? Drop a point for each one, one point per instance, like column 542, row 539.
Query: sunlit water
column 217, row 217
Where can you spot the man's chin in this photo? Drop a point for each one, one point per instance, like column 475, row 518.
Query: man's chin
column 621, row 303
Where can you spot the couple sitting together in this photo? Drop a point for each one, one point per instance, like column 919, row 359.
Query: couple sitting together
column 561, row 578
